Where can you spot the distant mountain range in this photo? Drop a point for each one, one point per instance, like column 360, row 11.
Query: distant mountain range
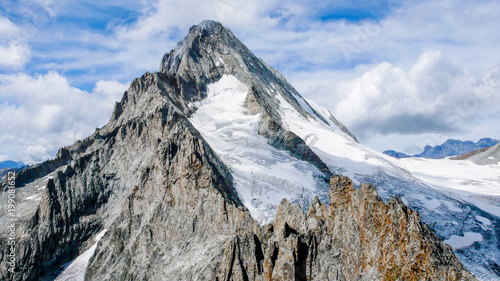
column 10, row 164
column 396, row 154
column 451, row 147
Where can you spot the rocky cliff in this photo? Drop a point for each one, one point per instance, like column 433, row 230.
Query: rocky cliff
column 355, row 237
column 169, row 202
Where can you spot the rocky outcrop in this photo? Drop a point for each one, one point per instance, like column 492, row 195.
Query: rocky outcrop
column 485, row 156
column 107, row 171
column 189, row 232
column 356, row 237
column 173, row 222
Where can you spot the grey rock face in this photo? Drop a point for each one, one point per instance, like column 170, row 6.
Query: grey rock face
column 108, row 170
column 485, row 156
column 173, row 222
column 170, row 206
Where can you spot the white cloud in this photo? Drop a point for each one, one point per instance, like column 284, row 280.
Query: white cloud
column 51, row 7
column 434, row 95
column 8, row 28
column 13, row 54
column 44, row 112
column 288, row 35
column 34, row 154
column 169, row 14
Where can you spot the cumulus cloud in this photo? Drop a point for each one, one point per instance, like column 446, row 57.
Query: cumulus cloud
column 169, row 14
column 291, row 36
column 433, row 96
column 7, row 27
column 14, row 53
column 41, row 113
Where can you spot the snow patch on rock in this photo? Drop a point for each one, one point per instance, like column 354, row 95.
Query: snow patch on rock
column 459, row 242
column 75, row 271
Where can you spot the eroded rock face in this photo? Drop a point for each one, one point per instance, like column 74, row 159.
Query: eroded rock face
column 192, row 233
column 356, row 237
column 174, row 222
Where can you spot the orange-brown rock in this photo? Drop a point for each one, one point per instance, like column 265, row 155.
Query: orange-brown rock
column 356, row 237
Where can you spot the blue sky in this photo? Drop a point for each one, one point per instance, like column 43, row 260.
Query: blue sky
column 399, row 74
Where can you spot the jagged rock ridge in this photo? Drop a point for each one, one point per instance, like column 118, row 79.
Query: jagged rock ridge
column 356, row 237
column 169, row 202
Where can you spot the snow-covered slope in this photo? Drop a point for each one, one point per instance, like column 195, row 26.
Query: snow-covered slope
column 150, row 179
column 476, row 184
column 264, row 175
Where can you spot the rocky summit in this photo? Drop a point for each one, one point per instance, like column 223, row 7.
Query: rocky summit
column 177, row 192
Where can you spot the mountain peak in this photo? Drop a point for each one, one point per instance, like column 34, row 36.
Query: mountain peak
column 207, row 25
column 209, row 30
column 210, row 50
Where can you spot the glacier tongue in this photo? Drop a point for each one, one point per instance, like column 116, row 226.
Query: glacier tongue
column 262, row 174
